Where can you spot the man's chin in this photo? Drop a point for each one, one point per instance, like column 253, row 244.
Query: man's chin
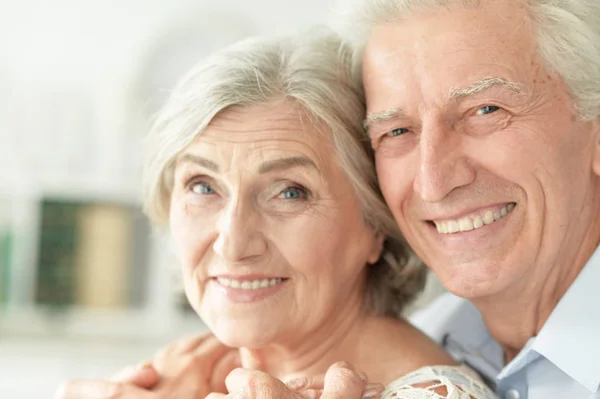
column 470, row 281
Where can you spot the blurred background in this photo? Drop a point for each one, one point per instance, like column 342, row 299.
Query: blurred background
column 85, row 286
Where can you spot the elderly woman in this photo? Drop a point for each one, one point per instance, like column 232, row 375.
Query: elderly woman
column 260, row 169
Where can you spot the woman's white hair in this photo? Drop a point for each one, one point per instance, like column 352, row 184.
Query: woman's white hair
column 313, row 70
column 567, row 33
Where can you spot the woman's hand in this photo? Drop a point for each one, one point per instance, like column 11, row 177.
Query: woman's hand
column 188, row 369
column 341, row 381
column 204, row 357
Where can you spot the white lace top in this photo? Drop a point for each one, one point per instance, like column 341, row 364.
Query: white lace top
column 459, row 382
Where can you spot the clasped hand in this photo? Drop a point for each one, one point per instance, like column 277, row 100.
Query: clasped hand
column 202, row 367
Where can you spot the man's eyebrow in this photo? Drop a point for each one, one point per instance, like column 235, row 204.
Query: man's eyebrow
column 286, row 163
column 382, row 116
column 481, row 85
column 453, row 94
column 198, row 160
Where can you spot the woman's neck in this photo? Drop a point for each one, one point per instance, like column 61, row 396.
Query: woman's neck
column 383, row 348
column 333, row 341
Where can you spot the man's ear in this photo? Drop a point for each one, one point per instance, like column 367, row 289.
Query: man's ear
column 596, row 154
column 376, row 248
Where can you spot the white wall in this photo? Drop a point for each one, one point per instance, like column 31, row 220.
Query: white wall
column 67, row 65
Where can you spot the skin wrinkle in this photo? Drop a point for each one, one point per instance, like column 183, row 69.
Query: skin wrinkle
column 454, row 94
column 513, row 282
column 481, row 85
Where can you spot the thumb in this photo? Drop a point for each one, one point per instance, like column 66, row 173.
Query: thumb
column 343, row 381
column 244, row 384
column 143, row 376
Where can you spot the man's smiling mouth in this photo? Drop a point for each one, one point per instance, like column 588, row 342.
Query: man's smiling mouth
column 475, row 221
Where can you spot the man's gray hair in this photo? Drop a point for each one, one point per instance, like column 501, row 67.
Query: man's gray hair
column 567, row 34
column 313, row 70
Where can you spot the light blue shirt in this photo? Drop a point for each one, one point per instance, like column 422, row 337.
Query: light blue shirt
column 561, row 362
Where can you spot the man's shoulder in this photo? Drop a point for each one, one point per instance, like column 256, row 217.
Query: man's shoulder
column 442, row 315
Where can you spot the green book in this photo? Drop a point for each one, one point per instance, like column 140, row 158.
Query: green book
column 56, row 260
column 5, row 259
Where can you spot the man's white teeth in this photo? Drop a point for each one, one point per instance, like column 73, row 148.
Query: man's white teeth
column 249, row 284
column 472, row 223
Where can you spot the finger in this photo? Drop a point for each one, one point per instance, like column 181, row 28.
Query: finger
column 181, row 346
column 229, row 362
column 305, row 383
column 142, row 376
column 343, row 381
column 88, row 389
column 211, row 351
column 252, row 383
column 373, row 391
column 310, row 393
column 188, row 344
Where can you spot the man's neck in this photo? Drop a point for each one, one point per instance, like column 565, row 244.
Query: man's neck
column 514, row 317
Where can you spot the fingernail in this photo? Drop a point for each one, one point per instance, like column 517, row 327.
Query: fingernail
column 297, row 383
column 144, row 365
column 371, row 394
column 373, row 391
column 363, row 376
column 311, row 394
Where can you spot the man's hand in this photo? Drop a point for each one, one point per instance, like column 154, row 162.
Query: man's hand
column 341, row 381
column 187, row 369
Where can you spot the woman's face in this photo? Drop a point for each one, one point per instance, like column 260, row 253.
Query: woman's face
column 268, row 228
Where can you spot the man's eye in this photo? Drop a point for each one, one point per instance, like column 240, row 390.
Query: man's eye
column 398, row 132
column 293, row 193
column 203, row 189
column 488, row 109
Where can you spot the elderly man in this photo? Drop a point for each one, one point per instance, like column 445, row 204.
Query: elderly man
column 484, row 118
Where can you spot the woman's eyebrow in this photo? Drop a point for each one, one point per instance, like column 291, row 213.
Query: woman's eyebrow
column 198, row 160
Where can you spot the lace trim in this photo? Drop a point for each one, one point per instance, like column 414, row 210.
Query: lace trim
column 460, row 382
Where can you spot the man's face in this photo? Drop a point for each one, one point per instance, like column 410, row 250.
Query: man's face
column 489, row 173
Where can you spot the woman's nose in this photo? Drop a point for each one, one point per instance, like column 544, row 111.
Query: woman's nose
column 238, row 233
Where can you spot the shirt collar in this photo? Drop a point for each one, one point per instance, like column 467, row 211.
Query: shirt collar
column 570, row 336
column 469, row 341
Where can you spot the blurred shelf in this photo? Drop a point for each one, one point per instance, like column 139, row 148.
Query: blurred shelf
column 96, row 325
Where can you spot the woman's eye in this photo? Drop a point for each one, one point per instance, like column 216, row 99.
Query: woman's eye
column 398, row 132
column 202, row 188
column 293, row 193
column 488, row 109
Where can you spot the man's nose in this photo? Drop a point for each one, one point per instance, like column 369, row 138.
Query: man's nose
column 238, row 235
column 443, row 163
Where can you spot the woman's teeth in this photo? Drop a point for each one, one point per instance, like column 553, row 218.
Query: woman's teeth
column 249, row 284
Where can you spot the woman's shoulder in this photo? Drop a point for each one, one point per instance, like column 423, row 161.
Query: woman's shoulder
column 439, row 382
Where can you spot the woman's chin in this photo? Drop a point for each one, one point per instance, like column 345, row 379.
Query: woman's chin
column 240, row 337
column 242, row 342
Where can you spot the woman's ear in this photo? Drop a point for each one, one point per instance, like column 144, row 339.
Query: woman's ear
column 376, row 248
